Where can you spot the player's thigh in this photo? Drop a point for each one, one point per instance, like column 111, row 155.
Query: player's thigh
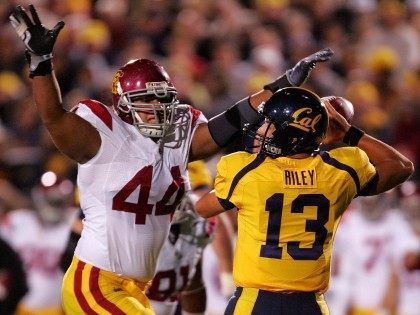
column 86, row 291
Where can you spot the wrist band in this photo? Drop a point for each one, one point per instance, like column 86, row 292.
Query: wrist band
column 353, row 136
column 43, row 68
column 277, row 84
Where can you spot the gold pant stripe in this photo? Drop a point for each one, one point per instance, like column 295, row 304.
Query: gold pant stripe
column 90, row 290
column 320, row 300
column 246, row 301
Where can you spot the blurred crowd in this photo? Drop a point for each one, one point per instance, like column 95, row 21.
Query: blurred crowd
column 216, row 52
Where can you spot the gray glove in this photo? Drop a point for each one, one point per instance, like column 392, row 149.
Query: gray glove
column 39, row 40
column 300, row 72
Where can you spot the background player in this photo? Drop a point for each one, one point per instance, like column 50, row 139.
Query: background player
column 379, row 235
column 408, row 264
column 39, row 235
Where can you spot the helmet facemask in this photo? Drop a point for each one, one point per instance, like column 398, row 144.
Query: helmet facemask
column 189, row 226
column 164, row 111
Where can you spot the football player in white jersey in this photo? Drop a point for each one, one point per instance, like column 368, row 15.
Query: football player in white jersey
column 338, row 294
column 40, row 236
column 377, row 234
column 179, row 268
column 408, row 267
column 132, row 165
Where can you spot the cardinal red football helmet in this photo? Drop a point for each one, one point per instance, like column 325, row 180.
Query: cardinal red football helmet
column 134, row 86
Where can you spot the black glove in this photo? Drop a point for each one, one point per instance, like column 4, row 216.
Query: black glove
column 300, row 72
column 38, row 40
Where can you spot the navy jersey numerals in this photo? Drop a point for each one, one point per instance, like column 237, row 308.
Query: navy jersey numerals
column 274, row 205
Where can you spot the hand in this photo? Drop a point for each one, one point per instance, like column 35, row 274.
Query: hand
column 337, row 125
column 38, row 40
column 301, row 71
column 227, row 287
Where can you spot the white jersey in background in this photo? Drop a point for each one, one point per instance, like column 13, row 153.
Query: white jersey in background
column 338, row 293
column 40, row 247
column 128, row 192
column 178, row 260
column 372, row 250
column 409, row 282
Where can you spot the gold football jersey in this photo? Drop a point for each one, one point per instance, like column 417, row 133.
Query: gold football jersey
column 199, row 175
column 288, row 211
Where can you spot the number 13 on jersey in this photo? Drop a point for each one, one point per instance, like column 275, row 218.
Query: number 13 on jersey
column 275, row 206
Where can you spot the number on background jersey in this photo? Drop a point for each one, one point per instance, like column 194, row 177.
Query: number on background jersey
column 274, row 205
column 169, row 279
column 142, row 208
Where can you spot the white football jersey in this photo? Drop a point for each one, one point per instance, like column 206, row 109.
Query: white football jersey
column 409, row 282
column 178, row 259
column 338, row 293
column 372, row 250
column 40, row 248
column 128, row 192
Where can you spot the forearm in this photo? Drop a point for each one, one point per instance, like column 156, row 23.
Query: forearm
column 256, row 99
column 47, row 96
column 208, row 205
column 72, row 135
column 225, row 127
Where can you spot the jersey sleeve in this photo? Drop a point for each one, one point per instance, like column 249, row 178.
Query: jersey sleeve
column 364, row 168
column 197, row 118
column 227, row 185
column 96, row 113
column 357, row 162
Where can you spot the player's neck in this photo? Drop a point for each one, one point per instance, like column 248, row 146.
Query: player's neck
column 300, row 156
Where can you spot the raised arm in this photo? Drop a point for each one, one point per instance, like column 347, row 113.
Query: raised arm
column 72, row 135
column 392, row 167
column 223, row 128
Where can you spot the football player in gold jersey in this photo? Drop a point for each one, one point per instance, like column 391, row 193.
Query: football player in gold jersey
column 290, row 197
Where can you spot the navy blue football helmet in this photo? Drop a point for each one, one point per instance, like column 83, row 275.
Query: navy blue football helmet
column 300, row 120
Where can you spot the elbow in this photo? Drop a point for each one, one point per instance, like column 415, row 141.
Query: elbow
column 410, row 166
column 393, row 174
column 407, row 169
column 201, row 210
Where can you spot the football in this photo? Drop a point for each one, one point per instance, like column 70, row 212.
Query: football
column 342, row 106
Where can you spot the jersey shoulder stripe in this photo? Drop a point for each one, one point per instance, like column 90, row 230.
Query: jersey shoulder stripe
column 259, row 159
column 99, row 109
column 195, row 114
column 341, row 166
